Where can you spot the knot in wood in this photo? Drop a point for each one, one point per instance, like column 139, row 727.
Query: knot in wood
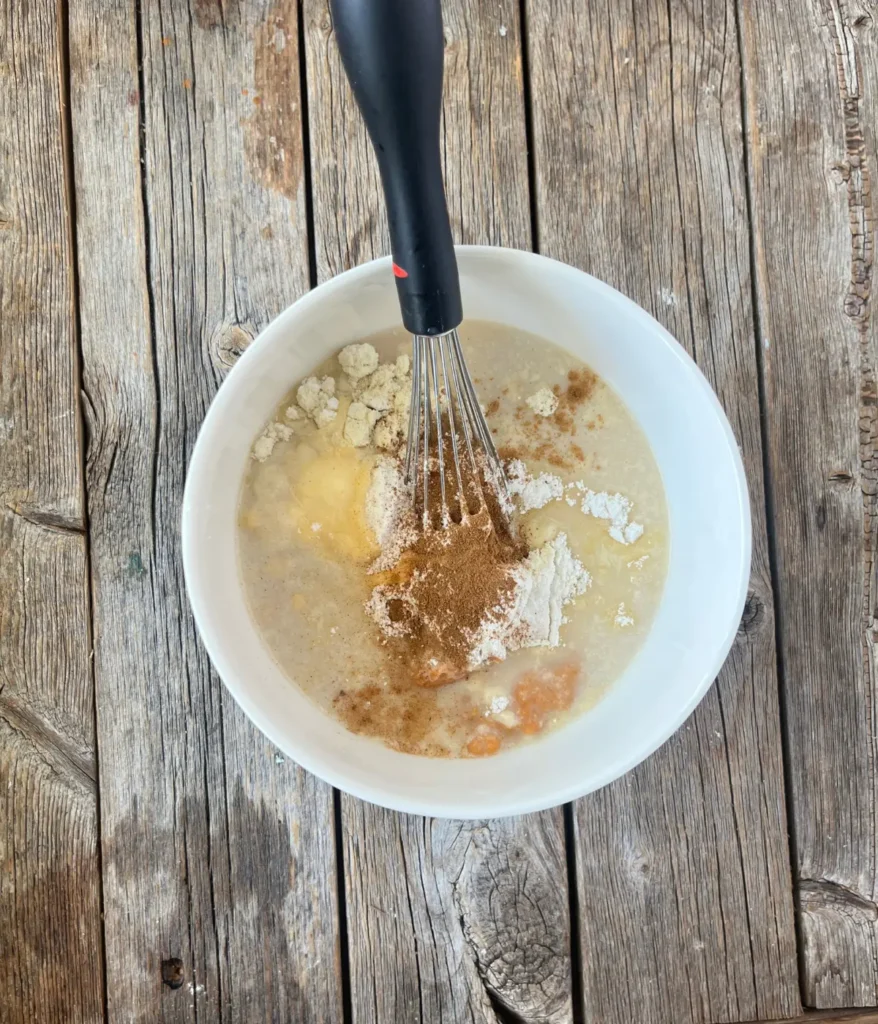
column 753, row 614
column 228, row 344
column 523, row 967
column 854, row 306
column 840, row 172
column 510, row 927
column 638, row 866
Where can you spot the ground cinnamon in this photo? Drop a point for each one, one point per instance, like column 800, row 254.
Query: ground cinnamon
column 441, row 590
column 547, row 438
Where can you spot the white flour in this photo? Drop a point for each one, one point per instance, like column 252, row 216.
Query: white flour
column 536, row 492
column 499, row 703
column 388, row 512
column 532, row 492
column 545, row 582
column 616, row 509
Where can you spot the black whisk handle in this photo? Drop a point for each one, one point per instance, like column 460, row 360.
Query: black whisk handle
column 392, row 51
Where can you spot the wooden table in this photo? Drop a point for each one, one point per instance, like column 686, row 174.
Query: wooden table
column 173, row 175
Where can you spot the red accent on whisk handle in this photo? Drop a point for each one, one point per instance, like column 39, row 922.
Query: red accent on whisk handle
column 392, row 51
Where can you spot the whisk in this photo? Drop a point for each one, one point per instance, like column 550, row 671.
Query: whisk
column 445, row 411
column 392, row 52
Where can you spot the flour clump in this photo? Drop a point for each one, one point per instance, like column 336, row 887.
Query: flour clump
column 317, row 399
column 358, row 360
column 264, row 445
column 381, row 399
column 543, row 403
column 545, row 583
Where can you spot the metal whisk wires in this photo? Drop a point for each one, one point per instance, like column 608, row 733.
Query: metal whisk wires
column 450, row 455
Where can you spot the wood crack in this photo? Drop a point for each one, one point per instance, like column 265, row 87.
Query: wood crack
column 504, row 1013
column 51, row 747
column 148, row 254
column 740, row 848
column 417, row 949
column 46, row 519
column 818, row 894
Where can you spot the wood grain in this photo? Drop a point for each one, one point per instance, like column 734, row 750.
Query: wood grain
column 448, row 921
column 50, row 936
column 812, row 82
column 219, row 861
column 683, row 865
column 453, row 921
column 483, row 135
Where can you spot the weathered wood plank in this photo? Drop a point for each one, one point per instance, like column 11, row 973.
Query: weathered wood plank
column 484, row 145
column 218, row 855
column 452, row 921
column 812, row 82
column 683, row 866
column 856, row 1016
column 50, row 933
column 447, row 921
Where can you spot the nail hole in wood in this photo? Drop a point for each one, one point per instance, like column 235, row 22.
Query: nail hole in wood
column 172, row 972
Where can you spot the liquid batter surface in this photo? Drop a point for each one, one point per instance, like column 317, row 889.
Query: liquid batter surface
column 307, row 542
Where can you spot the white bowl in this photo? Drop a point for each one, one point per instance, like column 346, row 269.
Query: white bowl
column 708, row 509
